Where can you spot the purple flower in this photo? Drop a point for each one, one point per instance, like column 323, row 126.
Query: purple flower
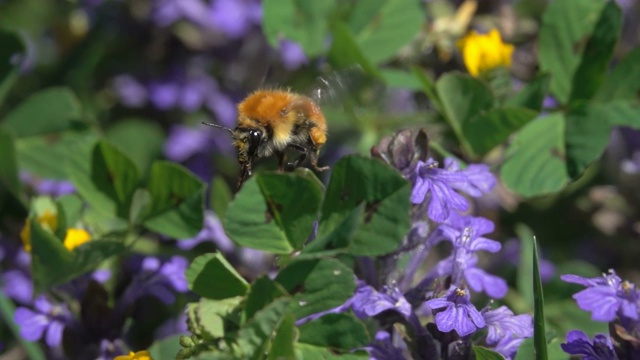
column 606, row 297
column 632, row 164
column 234, row 17
column 508, row 346
column 578, row 344
column 157, row 278
column 462, row 264
column 292, row 54
column 367, row 302
column 164, row 95
column 17, row 285
column 50, row 187
column 428, row 179
column 479, row 180
column 501, row 323
column 184, row 142
column 465, row 232
column 382, row 348
column 212, row 231
column 48, row 318
column 456, row 312
column 130, row 92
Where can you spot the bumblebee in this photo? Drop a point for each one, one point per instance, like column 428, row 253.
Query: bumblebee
column 273, row 121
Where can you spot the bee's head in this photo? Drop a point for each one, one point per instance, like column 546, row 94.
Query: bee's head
column 247, row 141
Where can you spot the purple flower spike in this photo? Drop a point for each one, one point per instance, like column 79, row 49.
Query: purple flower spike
column 428, row 178
column 18, row 286
column 367, row 302
column 479, row 280
column 466, row 233
column 606, row 297
column 48, row 318
column 479, row 180
column 455, row 312
column 130, row 92
column 502, row 323
column 578, row 344
column 184, row 142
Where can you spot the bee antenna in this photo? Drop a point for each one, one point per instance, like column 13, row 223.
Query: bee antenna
column 218, row 126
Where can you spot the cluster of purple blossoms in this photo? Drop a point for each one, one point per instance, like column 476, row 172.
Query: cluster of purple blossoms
column 78, row 311
column 612, row 300
column 444, row 294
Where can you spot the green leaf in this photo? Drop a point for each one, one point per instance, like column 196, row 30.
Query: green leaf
column 381, row 192
column 539, row 334
column 311, row 352
column 381, row 28
column 566, row 28
column 623, row 83
column 492, row 128
column 50, row 110
column 212, row 277
column 115, row 175
column 534, row 163
column 345, row 52
column 305, row 22
column 7, row 309
column 482, row 353
column 9, row 179
column 12, row 46
column 565, row 316
column 41, row 156
column 532, row 95
column 53, row 264
column 263, row 291
column 215, row 316
column 255, row 335
column 462, row 98
column 161, row 348
column 177, row 201
column 589, row 127
column 140, row 139
column 72, row 206
column 401, row 79
column 594, row 64
column 335, row 331
column 525, row 276
column 326, row 283
column 280, row 207
column 219, row 196
column 51, row 261
column 286, row 335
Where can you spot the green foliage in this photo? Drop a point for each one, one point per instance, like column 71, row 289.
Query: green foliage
column 260, row 209
column 326, row 283
column 483, row 353
column 535, row 162
column 365, row 200
column 335, row 331
column 140, row 139
column 539, row 333
column 50, row 110
column 177, row 201
column 305, row 22
column 566, row 28
column 214, row 266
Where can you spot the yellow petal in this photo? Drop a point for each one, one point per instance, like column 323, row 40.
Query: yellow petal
column 75, row 238
column 140, row 355
column 484, row 52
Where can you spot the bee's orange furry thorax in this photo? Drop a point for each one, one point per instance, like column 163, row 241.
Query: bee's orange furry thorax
column 265, row 106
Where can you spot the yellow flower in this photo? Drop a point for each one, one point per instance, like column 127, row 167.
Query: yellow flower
column 140, row 355
column 48, row 220
column 483, row 52
column 75, row 238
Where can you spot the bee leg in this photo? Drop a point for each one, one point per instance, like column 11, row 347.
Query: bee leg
column 301, row 158
column 282, row 161
column 245, row 173
column 314, row 153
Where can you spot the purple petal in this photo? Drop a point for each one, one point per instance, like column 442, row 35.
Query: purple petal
column 601, row 302
column 479, row 280
column 54, row 334
column 32, row 324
